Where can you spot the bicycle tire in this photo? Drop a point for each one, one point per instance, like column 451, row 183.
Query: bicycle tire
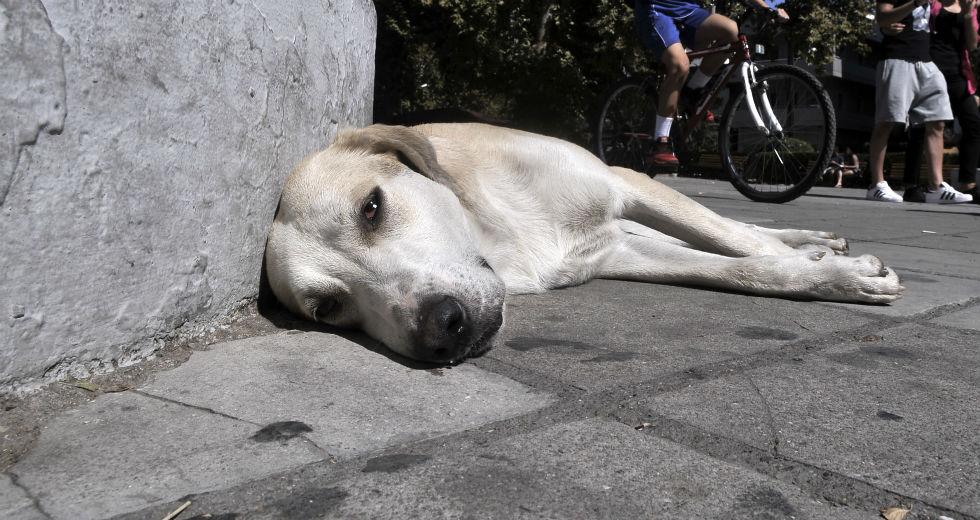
column 752, row 177
column 624, row 129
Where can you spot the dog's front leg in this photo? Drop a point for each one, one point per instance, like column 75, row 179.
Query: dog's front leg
column 654, row 205
column 800, row 274
column 806, row 239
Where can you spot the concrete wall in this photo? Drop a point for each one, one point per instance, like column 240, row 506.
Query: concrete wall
column 143, row 149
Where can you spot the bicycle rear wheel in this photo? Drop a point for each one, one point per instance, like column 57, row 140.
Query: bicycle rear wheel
column 785, row 164
column 624, row 130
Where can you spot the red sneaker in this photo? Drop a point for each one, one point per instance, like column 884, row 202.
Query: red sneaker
column 663, row 154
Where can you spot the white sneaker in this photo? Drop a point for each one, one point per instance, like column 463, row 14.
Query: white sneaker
column 946, row 194
column 883, row 193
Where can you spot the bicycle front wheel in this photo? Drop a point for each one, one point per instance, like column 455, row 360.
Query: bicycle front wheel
column 784, row 164
column 624, row 130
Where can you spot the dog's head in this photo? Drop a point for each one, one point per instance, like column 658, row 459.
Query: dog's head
column 369, row 236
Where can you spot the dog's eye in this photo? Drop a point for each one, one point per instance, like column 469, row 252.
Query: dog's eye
column 325, row 308
column 372, row 207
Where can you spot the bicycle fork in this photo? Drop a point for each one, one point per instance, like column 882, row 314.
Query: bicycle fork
column 749, row 82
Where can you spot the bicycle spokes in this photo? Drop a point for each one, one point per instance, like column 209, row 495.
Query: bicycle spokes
column 778, row 133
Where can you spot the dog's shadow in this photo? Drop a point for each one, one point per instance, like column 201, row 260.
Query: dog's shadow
column 268, row 307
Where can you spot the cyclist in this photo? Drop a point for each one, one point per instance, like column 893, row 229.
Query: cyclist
column 667, row 27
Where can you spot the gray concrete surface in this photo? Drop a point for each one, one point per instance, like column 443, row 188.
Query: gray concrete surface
column 15, row 504
column 610, row 400
column 143, row 147
column 363, row 401
column 968, row 318
column 128, row 451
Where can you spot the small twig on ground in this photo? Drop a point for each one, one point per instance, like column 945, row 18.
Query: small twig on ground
column 173, row 514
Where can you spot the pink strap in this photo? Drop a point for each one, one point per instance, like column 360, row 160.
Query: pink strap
column 967, row 69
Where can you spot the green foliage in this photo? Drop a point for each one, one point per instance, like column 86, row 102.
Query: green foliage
column 798, row 146
column 821, row 28
column 542, row 64
column 539, row 64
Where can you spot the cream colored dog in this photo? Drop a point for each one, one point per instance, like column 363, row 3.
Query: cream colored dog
column 415, row 235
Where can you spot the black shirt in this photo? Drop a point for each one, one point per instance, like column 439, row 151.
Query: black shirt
column 947, row 42
column 912, row 44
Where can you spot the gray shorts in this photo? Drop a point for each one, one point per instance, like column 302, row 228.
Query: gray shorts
column 911, row 93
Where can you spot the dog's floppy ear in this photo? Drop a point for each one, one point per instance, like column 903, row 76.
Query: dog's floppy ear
column 411, row 147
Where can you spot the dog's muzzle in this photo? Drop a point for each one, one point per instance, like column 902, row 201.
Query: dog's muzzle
column 448, row 332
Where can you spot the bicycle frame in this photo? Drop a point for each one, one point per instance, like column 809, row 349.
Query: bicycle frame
column 743, row 61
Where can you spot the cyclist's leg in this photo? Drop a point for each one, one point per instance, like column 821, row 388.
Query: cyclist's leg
column 676, row 67
column 715, row 30
column 659, row 33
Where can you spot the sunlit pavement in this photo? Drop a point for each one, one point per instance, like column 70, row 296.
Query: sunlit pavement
column 609, row 400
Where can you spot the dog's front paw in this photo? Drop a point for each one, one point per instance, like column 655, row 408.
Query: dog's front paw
column 809, row 240
column 863, row 279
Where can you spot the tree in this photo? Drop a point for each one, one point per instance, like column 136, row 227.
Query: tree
column 822, row 28
column 544, row 64
column 539, row 64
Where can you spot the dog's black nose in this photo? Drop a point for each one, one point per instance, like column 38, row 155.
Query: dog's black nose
column 444, row 329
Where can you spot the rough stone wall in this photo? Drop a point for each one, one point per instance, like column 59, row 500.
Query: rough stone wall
column 143, row 149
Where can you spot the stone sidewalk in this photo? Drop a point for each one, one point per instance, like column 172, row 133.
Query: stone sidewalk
column 609, row 400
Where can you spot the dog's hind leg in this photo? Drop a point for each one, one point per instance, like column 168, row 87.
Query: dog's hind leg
column 806, row 275
column 654, row 205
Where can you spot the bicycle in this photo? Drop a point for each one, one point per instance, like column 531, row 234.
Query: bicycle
column 775, row 136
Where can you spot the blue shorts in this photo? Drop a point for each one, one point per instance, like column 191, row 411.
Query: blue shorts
column 662, row 23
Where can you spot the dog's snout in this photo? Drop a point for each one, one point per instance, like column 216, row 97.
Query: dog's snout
column 445, row 328
column 449, row 317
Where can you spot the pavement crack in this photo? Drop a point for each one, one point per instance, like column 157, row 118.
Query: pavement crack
column 15, row 480
column 823, row 483
column 327, row 456
column 773, row 432
column 193, row 406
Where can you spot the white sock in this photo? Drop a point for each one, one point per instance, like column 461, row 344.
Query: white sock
column 699, row 79
column 663, row 126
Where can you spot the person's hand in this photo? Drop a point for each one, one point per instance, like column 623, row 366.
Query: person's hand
column 782, row 16
column 967, row 6
column 893, row 28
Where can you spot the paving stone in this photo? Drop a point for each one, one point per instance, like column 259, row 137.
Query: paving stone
column 351, row 399
column 968, row 318
column 123, row 452
column 609, row 332
column 586, row 469
column 583, row 469
column 14, row 502
column 945, row 238
column 910, row 261
column 898, row 411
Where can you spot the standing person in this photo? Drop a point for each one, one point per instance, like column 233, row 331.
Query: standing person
column 667, row 27
column 954, row 35
column 910, row 89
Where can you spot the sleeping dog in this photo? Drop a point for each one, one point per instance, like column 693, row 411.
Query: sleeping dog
column 415, row 235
